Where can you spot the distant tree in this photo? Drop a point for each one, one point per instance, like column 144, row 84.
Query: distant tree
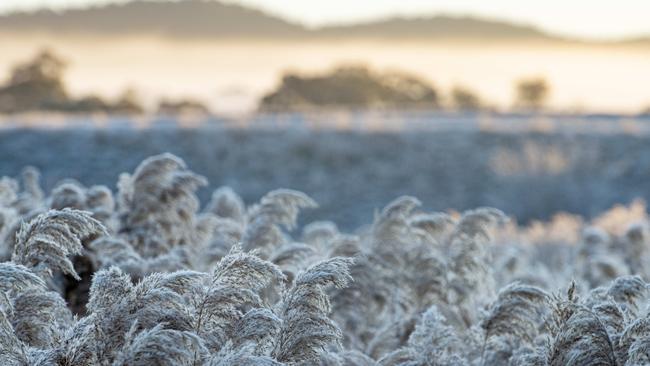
column 182, row 106
column 35, row 84
column 532, row 93
column 464, row 99
column 128, row 103
column 351, row 87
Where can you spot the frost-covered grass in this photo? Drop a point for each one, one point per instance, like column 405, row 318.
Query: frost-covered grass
column 146, row 275
column 529, row 175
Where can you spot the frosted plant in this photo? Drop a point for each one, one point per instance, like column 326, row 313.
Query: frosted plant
column 8, row 191
column 225, row 203
column 636, row 249
column 235, row 282
column 16, row 278
column 630, row 292
column 241, row 356
column 161, row 346
column 100, row 201
column 31, row 197
column 39, row 317
column 320, row 235
column 12, row 350
column 292, row 257
column 391, row 227
column 158, row 204
column 306, row 328
column 470, row 279
column 120, row 308
column 68, row 194
column 516, row 315
column 171, row 285
column 45, row 242
column 432, row 343
column 276, row 209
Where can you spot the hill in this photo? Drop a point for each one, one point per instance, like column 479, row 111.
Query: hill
column 193, row 18
column 212, row 19
column 436, row 27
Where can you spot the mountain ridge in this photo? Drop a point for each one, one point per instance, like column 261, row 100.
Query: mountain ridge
column 213, row 19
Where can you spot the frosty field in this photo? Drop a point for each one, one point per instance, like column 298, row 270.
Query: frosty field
column 527, row 168
column 281, row 241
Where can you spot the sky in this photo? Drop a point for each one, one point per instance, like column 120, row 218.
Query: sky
column 600, row 19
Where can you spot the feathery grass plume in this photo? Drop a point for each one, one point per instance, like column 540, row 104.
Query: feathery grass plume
column 345, row 245
column 393, row 333
column 639, row 353
column 234, row 284
column 78, row 345
column 320, row 235
column 471, row 282
column 361, row 308
column 593, row 262
column 158, row 204
column 227, row 204
column 8, row 215
column 16, row 278
column 10, row 232
column 278, row 208
column 117, row 305
column 612, row 316
column 110, row 251
column 12, row 350
column 578, row 336
column 227, row 232
column 594, row 239
column 292, row 255
column 258, row 328
column 517, row 314
column 242, row 356
column 390, row 246
column 633, row 342
column 582, row 340
column 600, row 268
column 435, row 225
column 68, row 194
column 427, row 276
column 629, row 292
column 100, row 201
column 304, row 309
column 31, row 196
column 108, row 288
column 160, row 346
column 635, row 247
column 40, row 317
column 347, row 358
column 393, row 221
column 45, row 242
column 8, row 191
column 432, row 343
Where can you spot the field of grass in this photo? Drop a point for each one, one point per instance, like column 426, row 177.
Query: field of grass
column 329, row 246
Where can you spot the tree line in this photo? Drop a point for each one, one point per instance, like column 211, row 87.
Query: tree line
column 38, row 85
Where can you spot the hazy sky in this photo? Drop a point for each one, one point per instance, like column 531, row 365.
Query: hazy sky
column 586, row 18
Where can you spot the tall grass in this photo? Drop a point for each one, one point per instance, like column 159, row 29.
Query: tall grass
column 145, row 276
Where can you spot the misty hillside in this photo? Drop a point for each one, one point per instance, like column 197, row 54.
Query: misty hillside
column 182, row 19
column 436, row 27
column 212, row 19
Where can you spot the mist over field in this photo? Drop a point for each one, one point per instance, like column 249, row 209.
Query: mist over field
column 229, row 76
